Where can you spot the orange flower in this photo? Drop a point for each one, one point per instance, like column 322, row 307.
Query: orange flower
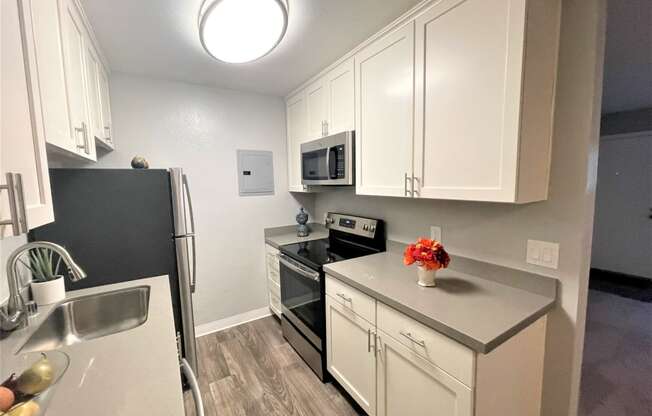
column 426, row 253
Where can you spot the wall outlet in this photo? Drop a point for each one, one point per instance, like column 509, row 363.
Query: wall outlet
column 543, row 253
column 435, row 233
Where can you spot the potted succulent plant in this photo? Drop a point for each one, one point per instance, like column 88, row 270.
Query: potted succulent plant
column 430, row 256
column 47, row 284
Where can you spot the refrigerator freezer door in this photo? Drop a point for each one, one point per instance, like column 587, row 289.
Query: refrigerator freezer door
column 183, row 247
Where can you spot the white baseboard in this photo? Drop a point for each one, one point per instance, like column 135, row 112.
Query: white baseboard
column 215, row 326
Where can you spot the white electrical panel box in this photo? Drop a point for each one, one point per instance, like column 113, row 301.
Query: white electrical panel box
column 255, row 173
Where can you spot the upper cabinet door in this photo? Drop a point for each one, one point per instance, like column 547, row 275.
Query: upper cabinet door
column 384, row 84
column 340, row 90
column 74, row 50
column 44, row 41
column 93, row 92
column 22, row 139
column 430, row 390
column 296, row 132
column 316, row 110
column 107, row 126
column 483, row 114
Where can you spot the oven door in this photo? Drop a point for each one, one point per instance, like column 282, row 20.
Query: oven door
column 302, row 302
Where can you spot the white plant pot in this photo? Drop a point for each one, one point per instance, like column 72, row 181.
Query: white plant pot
column 46, row 293
column 426, row 277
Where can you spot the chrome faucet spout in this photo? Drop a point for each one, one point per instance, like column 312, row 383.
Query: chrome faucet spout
column 15, row 316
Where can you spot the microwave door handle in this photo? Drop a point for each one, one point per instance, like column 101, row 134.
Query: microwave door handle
column 332, row 169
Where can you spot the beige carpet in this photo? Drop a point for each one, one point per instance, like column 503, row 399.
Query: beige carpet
column 617, row 367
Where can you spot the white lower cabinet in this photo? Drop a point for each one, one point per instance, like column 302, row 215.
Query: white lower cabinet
column 410, row 385
column 394, row 366
column 273, row 279
column 351, row 358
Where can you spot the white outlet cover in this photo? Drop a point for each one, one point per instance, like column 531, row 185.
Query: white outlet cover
column 543, row 253
column 435, row 233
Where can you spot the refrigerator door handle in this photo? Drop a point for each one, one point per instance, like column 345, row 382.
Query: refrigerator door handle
column 193, row 280
column 190, row 210
column 194, row 387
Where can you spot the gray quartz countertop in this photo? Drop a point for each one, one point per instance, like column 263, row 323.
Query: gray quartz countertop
column 477, row 312
column 135, row 372
column 279, row 236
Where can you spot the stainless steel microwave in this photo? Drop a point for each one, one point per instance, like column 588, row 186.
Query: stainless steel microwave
column 329, row 160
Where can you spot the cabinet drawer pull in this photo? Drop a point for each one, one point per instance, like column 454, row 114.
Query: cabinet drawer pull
column 344, row 297
column 412, row 339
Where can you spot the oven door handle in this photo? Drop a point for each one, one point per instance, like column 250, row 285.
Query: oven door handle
column 298, row 269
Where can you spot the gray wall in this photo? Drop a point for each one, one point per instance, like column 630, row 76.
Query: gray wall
column 498, row 232
column 199, row 129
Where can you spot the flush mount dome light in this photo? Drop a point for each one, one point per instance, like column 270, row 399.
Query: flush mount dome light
column 239, row 31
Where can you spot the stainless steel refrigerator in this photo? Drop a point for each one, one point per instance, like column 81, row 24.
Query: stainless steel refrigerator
column 126, row 224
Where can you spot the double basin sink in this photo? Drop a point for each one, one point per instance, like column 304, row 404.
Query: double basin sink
column 90, row 317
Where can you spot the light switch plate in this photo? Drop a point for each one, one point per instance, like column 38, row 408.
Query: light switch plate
column 543, row 253
column 435, row 233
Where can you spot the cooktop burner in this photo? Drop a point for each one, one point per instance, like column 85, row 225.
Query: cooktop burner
column 317, row 253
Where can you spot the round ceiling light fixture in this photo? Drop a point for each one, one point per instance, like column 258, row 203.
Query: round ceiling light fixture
column 239, row 31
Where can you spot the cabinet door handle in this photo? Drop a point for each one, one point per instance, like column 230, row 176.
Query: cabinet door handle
column 84, row 131
column 344, row 297
column 407, row 192
column 17, row 212
column 369, row 340
column 415, row 192
column 325, row 133
column 20, row 196
column 412, row 339
column 107, row 130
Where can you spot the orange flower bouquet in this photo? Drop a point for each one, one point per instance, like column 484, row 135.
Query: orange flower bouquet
column 430, row 256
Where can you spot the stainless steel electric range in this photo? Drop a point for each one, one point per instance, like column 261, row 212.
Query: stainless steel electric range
column 303, row 284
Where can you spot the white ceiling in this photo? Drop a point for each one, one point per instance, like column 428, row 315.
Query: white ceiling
column 628, row 56
column 159, row 38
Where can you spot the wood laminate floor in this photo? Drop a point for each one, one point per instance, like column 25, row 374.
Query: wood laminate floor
column 251, row 370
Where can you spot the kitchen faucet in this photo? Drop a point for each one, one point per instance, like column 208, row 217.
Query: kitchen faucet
column 14, row 314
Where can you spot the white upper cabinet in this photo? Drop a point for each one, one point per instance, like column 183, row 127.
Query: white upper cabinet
column 22, row 140
column 296, row 132
column 107, row 126
column 74, row 55
column 484, row 99
column 316, row 110
column 384, row 79
column 340, row 98
column 47, row 66
column 69, row 77
column 93, row 93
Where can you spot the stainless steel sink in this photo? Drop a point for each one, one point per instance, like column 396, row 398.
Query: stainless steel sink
column 89, row 317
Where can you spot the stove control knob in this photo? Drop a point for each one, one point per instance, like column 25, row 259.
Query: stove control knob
column 365, row 227
column 372, row 228
column 329, row 220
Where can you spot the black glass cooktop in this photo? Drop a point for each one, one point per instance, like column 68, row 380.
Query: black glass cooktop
column 316, row 253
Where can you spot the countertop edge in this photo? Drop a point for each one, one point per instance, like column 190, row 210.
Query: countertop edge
column 470, row 342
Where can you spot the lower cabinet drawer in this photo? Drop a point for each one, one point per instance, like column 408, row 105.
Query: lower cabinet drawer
column 275, row 304
column 274, row 276
column 351, row 298
column 445, row 353
column 274, row 288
